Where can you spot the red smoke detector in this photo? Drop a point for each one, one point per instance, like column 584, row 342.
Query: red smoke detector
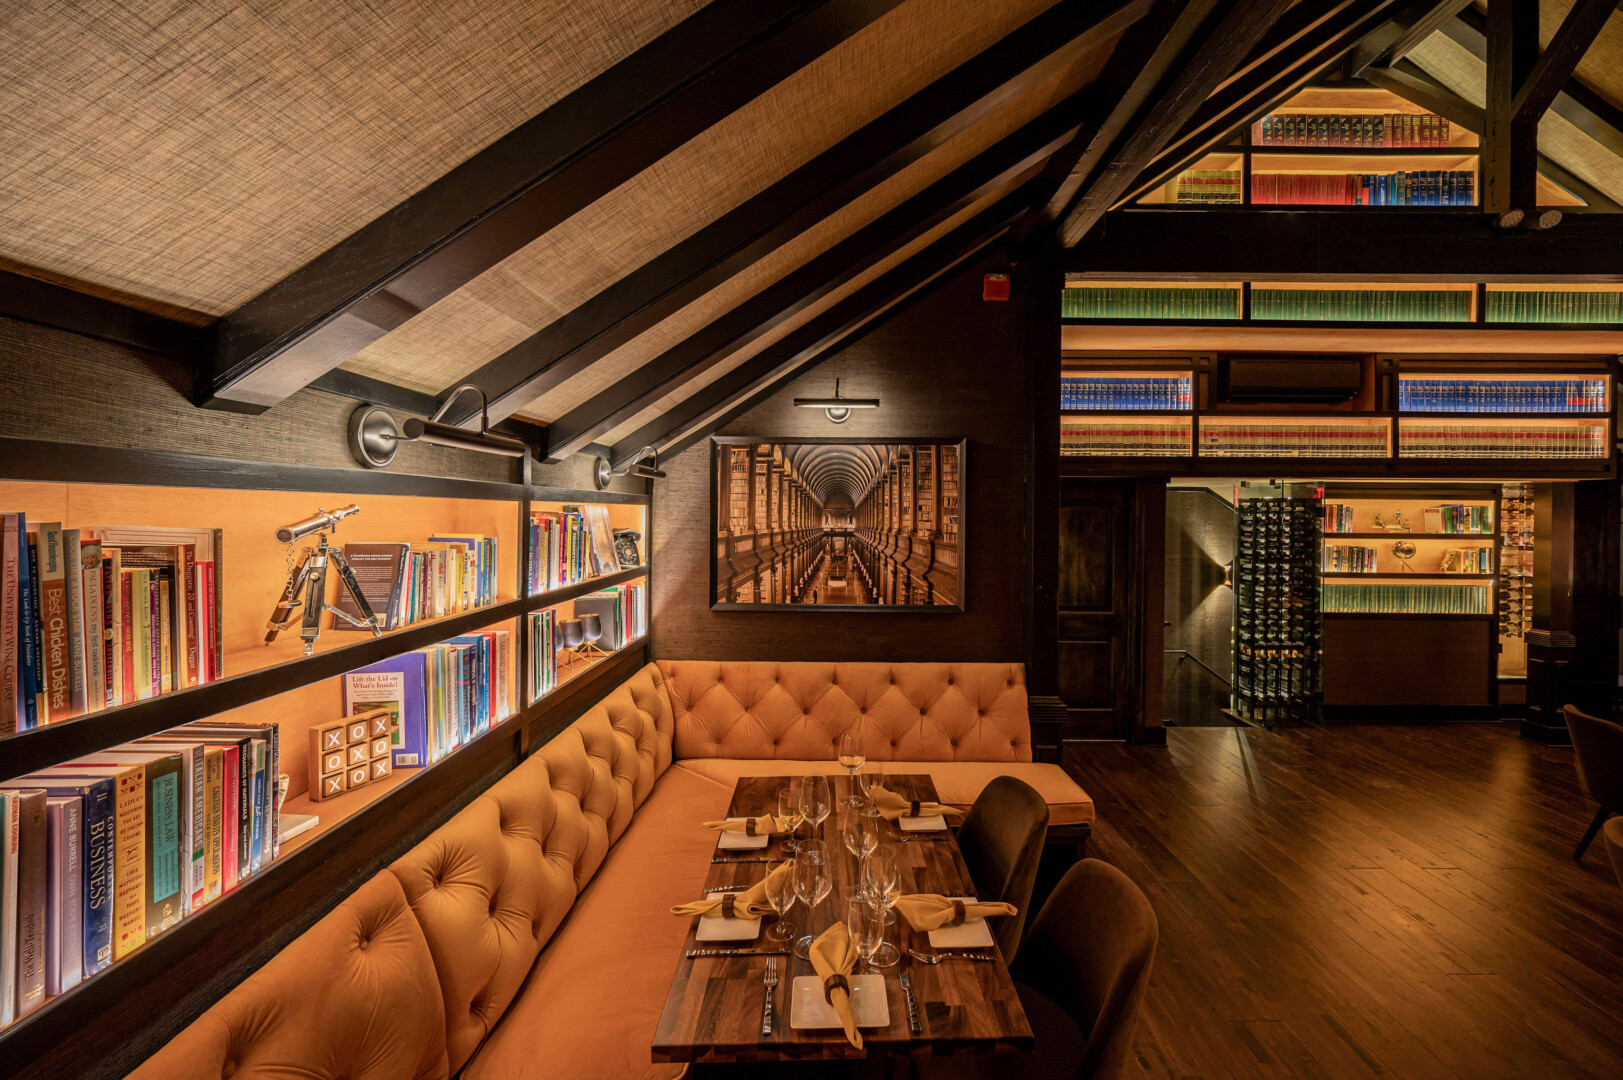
column 995, row 287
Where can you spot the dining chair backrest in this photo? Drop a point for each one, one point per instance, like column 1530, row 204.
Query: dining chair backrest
column 1613, row 835
column 1597, row 747
column 1090, row 950
column 1002, row 842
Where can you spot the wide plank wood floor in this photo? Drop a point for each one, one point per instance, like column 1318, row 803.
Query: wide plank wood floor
column 1365, row 901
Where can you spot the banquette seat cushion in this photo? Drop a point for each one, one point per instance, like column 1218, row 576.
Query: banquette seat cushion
column 964, row 724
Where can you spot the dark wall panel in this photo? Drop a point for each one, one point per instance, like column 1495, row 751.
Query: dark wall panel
column 949, row 364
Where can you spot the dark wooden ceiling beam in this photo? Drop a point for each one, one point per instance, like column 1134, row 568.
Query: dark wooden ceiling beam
column 1136, row 66
column 880, row 300
column 1024, row 151
column 1024, row 59
column 1318, row 44
column 1510, row 143
column 1557, row 63
column 1232, row 31
column 832, row 326
column 1417, row 244
column 516, row 189
column 45, row 303
column 1407, row 29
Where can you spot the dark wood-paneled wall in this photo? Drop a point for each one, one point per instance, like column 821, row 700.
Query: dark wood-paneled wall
column 949, row 364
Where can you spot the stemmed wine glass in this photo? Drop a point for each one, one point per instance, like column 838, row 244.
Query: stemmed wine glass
column 851, row 760
column 866, row 919
column 812, row 883
column 860, row 834
column 780, row 893
column 816, row 800
column 882, row 877
column 789, row 811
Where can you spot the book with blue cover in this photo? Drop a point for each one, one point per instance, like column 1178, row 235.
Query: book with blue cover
column 399, row 684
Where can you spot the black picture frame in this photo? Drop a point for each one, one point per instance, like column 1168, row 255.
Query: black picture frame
column 925, row 557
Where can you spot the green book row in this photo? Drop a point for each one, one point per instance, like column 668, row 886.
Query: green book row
column 1555, row 307
column 1135, row 303
column 1361, row 305
column 1406, row 599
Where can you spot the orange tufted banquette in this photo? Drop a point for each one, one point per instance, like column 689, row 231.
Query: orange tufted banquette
column 527, row 937
column 964, row 724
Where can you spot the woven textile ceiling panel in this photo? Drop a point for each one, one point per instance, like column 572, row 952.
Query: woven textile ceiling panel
column 195, row 152
column 805, row 114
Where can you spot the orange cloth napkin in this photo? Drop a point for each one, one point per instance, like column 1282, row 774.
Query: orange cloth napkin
column 932, row 911
column 749, row 904
column 766, row 825
column 893, row 806
column 832, row 954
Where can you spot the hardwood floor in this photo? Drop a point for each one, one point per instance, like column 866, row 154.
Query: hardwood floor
column 1362, row 901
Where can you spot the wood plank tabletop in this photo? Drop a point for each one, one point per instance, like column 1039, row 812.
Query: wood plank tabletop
column 713, row 1011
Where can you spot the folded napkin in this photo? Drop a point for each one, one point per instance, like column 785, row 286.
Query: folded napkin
column 833, row 956
column 893, row 806
column 749, row 904
column 766, row 825
column 932, row 911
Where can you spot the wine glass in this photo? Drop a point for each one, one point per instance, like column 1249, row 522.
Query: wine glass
column 882, row 876
column 851, row 760
column 870, row 781
column 866, row 920
column 812, row 883
column 816, row 800
column 789, row 811
column 859, row 832
column 780, row 893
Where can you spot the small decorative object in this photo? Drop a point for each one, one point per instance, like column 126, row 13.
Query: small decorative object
column 306, row 586
column 1399, row 524
column 1379, row 524
column 571, row 636
column 591, row 632
column 350, row 753
column 1404, row 550
column 625, row 548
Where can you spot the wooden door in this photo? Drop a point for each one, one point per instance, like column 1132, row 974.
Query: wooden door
column 1101, row 598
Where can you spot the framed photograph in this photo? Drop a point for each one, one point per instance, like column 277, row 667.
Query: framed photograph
column 837, row 524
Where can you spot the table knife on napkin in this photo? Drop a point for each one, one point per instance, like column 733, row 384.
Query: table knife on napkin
column 913, row 1025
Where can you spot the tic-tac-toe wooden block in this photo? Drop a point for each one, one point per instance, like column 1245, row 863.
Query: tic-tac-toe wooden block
column 332, row 736
column 360, row 731
column 333, row 762
column 344, row 753
column 381, row 747
column 382, row 767
column 328, row 787
column 360, row 775
column 382, row 722
column 359, row 754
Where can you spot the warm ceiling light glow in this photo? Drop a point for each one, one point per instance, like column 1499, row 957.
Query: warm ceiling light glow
column 837, row 408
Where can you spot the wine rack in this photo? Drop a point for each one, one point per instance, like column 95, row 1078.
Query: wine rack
column 1278, row 629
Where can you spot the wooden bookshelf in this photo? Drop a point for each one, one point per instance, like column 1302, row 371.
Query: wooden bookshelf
column 120, row 1015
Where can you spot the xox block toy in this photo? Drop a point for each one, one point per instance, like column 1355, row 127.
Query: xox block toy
column 350, row 753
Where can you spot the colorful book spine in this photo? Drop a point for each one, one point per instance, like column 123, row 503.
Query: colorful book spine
column 1097, row 393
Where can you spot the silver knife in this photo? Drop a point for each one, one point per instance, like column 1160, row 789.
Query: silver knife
column 725, row 859
column 913, row 1025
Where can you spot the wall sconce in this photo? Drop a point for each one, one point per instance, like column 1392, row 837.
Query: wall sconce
column 838, row 408
column 602, row 474
column 1228, row 574
column 374, row 437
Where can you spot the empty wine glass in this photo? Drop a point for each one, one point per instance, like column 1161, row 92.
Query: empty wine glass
column 859, row 832
column 780, row 893
column 816, row 800
column 866, row 920
column 851, row 760
column 789, row 811
column 882, row 877
column 871, row 780
column 812, row 883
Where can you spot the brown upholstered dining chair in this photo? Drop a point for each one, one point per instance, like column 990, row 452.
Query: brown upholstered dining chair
column 1081, row 977
column 1613, row 835
column 1002, row 842
column 1597, row 748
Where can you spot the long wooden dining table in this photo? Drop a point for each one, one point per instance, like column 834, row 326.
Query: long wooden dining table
column 713, row 1012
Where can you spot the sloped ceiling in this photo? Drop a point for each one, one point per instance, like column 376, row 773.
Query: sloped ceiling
column 195, row 152
column 1601, row 68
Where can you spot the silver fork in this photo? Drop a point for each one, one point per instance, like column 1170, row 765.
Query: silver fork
column 771, row 983
column 928, row 958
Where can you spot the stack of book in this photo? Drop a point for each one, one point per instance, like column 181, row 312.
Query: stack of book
column 105, row 852
column 1533, row 441
column 1351, row 130
column 1338, row 518
column 443, row 696
column 1102, row 393
column 1264, row 438
column 404, row 586
column 1087, row 302
column 1477, row 560
column 621, row 611
column 1346, row 559
column 1418, row 188
column 1502, row 395
column 1458, row 519
column 1209, row 187
column 1555, row 307
column 1124, row 439
column 1361, row 305
column 569, row 546
column 1407, row 599
column 91, row 619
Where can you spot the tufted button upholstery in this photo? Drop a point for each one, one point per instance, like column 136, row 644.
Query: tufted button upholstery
column 924, row 712
column 377, row 1015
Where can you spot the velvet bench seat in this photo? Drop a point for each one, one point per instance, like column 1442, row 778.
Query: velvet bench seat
column 530, row 936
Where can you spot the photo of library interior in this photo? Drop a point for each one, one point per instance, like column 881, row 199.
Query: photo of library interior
column 849, row 539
